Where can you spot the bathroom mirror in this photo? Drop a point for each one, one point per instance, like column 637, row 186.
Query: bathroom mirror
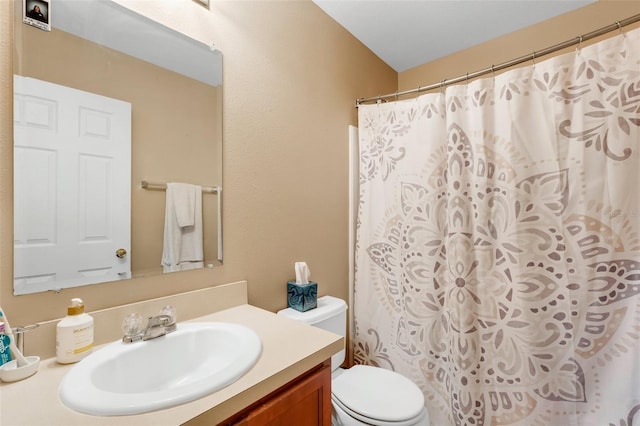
column 85, row 218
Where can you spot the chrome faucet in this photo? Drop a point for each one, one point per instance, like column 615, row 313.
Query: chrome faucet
column 157, row 326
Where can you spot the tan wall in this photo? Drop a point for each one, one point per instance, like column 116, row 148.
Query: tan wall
column 521, row 43
column 291, row 76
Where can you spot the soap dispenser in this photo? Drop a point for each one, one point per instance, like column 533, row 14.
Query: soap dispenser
column 74, row 334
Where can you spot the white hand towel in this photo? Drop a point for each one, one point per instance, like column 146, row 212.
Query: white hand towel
column 184, row 202
column 183, row 247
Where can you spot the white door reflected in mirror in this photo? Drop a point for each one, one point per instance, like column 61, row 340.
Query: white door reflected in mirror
column 72, row 157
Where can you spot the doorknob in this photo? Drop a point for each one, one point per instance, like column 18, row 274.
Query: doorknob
column 120, row 253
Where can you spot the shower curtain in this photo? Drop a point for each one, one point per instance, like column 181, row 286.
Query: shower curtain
column 498, row 242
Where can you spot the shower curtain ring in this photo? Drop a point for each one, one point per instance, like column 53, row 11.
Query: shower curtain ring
column 533, row 59
column 579, row 44
column 620, row 28
column 396, row 95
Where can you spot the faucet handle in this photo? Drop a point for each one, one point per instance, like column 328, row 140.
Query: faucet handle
column 169, row 311
column 132, row 324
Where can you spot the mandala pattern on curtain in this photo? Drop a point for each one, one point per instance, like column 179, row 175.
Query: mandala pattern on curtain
column 498, row 249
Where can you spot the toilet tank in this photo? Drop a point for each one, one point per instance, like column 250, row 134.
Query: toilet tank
column 329, row 315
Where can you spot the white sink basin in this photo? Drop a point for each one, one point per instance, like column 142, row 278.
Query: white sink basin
column 132, row 378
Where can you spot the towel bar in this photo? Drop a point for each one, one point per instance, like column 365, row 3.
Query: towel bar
column 161, row 186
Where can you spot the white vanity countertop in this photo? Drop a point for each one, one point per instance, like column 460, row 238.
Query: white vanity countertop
column 289, row 349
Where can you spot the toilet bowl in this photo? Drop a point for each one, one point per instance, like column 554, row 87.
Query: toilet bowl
column 363, row 395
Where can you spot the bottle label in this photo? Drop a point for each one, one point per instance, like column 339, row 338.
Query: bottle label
column 88, row 347
column 82, row 340
column 73, row 345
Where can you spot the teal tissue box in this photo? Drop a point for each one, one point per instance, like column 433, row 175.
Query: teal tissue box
column 302, row 297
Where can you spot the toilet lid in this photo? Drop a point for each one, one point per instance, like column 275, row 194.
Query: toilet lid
column 376, row 393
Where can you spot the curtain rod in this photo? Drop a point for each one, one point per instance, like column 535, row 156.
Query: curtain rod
column 493, row 68
column 162, row 186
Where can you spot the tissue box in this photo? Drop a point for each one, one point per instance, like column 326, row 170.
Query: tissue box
column 302, row 297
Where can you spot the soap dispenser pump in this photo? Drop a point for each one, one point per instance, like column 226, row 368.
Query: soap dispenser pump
column 74, row 334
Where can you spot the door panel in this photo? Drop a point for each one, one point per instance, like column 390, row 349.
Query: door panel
column 72, row 185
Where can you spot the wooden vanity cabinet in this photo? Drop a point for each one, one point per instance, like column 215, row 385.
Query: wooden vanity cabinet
column 305, row 401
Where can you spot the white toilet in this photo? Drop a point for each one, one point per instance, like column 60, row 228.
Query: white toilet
column 363, row 395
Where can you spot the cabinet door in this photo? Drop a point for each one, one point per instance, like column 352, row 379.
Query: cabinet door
column 304, row 403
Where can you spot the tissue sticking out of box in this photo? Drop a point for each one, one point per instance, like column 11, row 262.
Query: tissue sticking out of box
column 302, row 273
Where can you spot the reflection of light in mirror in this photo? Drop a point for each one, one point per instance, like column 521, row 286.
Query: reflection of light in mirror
column 140, row 37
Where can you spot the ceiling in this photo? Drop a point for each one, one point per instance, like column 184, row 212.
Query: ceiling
column 408, row 33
